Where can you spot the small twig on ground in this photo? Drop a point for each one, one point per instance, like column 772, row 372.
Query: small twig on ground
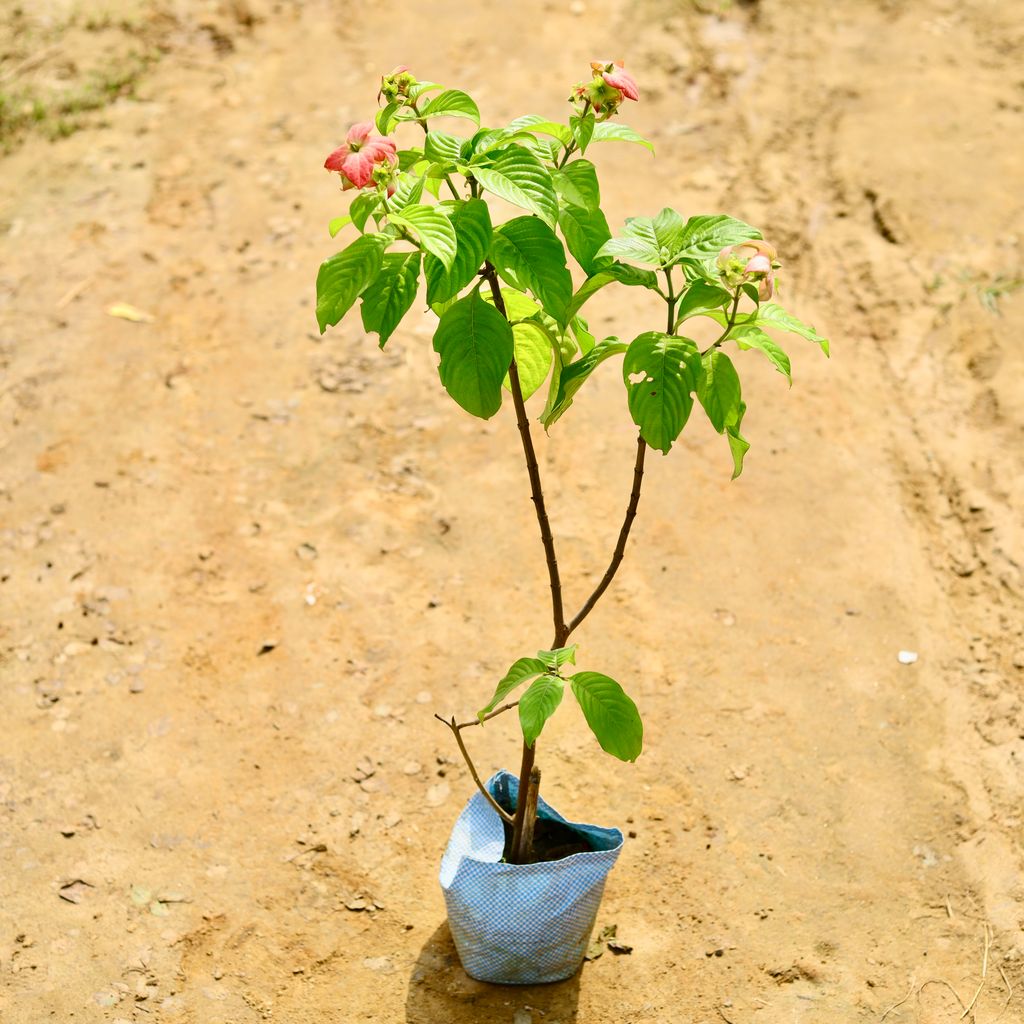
column 723, row 1016
column 984, row 974
column 910, row 992
column 940, row 981
column 949, row 908
column 1009, row 994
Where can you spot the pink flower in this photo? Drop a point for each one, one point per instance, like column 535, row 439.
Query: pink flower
column 363, row 151
column 619, row 78
column 753, row 261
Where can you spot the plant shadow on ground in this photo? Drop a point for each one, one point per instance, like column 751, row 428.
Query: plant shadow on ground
column 440, row 990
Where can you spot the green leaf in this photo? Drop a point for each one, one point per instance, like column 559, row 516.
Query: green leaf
column 718, row 390
column 389, row 297
column 669, row 231
column 474, row 342
column 771, row 315
column 581, row 332
column 386, row 117
column 533, row 357
column 610, row 131
column 575, row 375
column 699, row 299
column 527, row 254
column 518, row 305
column 536, row 123
column 521, row 670
column 471, row 222
column 739, row 446
column 417, row 90
column 343, row 277
column 585, row 231
column 559, row 656
column 538, row 704
column 517, row 176
column 408, row 193
column 748, row 336
column 638, row 242
column 452, row 103
column 409, row 158
column 443, row 148
column 361, row 207
column 704, row 237
column 611, row 715
column 577, row 185
column 621, row 272
column 582, row 130
column 660, row 372
column 434, row 230
column 338, row 223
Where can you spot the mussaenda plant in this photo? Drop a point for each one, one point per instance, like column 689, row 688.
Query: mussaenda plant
column 509, row 310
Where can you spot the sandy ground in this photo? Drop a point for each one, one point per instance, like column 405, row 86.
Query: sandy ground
column 192, row 830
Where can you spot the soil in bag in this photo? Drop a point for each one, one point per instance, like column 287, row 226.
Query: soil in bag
column 551, row 841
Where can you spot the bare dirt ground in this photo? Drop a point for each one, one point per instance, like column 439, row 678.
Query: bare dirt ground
column 196, row 831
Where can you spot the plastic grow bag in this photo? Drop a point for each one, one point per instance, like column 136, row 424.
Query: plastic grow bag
column 521, row 924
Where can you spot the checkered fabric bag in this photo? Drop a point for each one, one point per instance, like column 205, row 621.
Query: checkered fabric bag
column 521, row 924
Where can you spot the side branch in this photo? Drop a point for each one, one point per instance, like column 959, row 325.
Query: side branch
column 620, row 546
column 457, row 733
column 536, row 491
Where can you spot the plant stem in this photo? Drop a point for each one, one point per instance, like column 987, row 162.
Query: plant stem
column 728, row 324
column 620, row 546
column 457, row 733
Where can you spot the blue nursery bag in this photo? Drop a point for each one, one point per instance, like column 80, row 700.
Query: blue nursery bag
column 521, row 924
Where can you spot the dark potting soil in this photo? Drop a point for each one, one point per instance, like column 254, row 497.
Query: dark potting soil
column 551, row 841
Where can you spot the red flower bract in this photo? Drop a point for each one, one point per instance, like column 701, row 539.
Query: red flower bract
column 622, row 80
column 362, row 151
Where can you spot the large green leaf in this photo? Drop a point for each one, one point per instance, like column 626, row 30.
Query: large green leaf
column 443, row 148
column 638, row 242
column 433, row 229
column 669, row 230
column 705, row 236
column 408, row 193
column 771, row 315
column 621, row 272
column 718, row 390
column 343, row 277
column 362, row 206
column 474, row 342
column 533, row 356
column 536, row 123
column 660, row 372
column 527, row 254
column 518, row 177
column 538, row 704
column 518, row 305
column 521, row 670
column 471, row 222
column 577, row 185
column 611, row 131
column 700, row 299
column 748, row 336
column 574, row 376
column 389, row 297
column 611, row 715
column 585, row 231
column 451, row 103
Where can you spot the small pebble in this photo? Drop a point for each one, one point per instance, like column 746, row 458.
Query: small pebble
column 907, row 657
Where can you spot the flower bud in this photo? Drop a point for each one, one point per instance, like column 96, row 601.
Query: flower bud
column 749, row 262
column 396, row 85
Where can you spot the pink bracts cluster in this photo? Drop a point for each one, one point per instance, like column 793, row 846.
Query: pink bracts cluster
column 751, row 261
column 365, row 158
column 615, row 74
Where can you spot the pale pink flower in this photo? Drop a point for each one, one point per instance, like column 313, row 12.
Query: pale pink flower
column 750, row 261
column 362, row 151
column 615, row 74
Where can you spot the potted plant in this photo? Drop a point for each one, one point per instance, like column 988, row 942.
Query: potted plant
column 521, row 883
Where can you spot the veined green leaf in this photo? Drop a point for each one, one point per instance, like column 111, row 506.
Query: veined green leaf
column 434, row 230
column 771, row 315
column 390, row 296
column 471, row 222
column 408, row 193
column 533, row 357
column 527, row 254
column 585, row 231
column 451, row 103
column 409, row 158
column 581, row 332
column 474, row 342
column 660, row 372
column 582, row 130
column 612, row 716
column 521, row 670
column 518, row 305
column 718, row 390
column 705, row 236
column 361, row 207
column 621, row 272
column 386, row 118
column 444, row 148
column 669, row 230
column 343, row 277
column 338, row 223
column 417, row 90
column 559, row 656
column 738, row 445
column 517, row 176
column 574, row 376
column 748, row 336
column 611, row 131
column 538, row 704
column 577, row 185
column 638, row 242
column 700, row 299
column 536, row 123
